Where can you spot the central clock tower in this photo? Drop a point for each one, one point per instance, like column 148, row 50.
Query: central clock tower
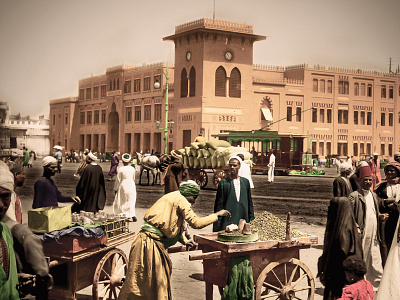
column 212, row 78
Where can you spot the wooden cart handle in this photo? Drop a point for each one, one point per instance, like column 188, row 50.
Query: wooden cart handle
column 207, row 255
column 182, row 248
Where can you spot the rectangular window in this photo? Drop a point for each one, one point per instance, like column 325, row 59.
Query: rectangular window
column 342, row 148
column 355, row 149
column 329, row 87
column 81, row 94
column 329, row 115
column 96, row 117
column 369, row 118
column 146, row 84
column 390, row 150
column 322, row 115
column 355, row 117
column 369, row 92
column 314, row 147
column 66, row 118
column 157, row 78
column 314, row 115
column 328, row 148
column 322, row 86
column 321, row 148
column 362, row 118
column 298, row 114
column 103, row 90
column 88, row 93
column 96, row 92
column 157, row 112
column 390, row 92
column 103, row 116
column 362, row 148
column 315, row 85
column 356, row 88
column 136, row 85
column 82, row 118
column 138, row 113
column 343, row 87
column 289, row 113
column 128, row 114
column 362, row 89
column 89, row 118
column 383, row 117
column 390, row 119
column 369, row 148
column 127, row 86
column 382, row 149
column 383, row 91
column 147, row 112
column 54, row 120
column 343, row 116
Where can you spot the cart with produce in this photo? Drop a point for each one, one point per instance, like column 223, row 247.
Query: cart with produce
column 211, row 156
column 84, row 252
column 273, row 249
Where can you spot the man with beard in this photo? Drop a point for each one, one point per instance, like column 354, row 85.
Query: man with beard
column 46, row 191
column 91, row 188
column 234, row 195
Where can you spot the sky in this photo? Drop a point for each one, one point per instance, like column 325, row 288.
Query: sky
column 48, row 45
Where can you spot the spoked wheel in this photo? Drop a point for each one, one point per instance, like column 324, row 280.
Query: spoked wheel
column 218, row 176
column 202, row 179
column 285, row 279
column 110, row 275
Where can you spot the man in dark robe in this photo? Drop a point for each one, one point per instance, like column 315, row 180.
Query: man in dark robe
column 46, row 191
column 234, row 195
column 340, row 241
column 341, row 184
column 91, row 188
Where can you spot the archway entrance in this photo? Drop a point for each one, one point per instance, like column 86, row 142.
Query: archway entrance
column 113, row 129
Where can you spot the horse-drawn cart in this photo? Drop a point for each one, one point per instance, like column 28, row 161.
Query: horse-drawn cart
column 277, row 270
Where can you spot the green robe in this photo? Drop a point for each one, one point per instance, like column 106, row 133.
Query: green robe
column 8, row 287
column 26, row 157
column 226, row 199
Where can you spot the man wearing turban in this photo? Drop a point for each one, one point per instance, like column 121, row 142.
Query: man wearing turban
column 149, row 270
column 341, row 184
column 46, row 191
column 366, row 211
column 8, row 266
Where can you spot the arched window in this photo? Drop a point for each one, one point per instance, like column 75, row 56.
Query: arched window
column 220, row 82
column 235, row 83
column 110, row 85
column 114, row 85
column 192, row 82
column 118, row 84
column 184, row 84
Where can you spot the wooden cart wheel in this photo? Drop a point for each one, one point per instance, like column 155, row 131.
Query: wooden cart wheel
column 218, row 176
column 110, row 275
column 202, row 179
column 285, row 279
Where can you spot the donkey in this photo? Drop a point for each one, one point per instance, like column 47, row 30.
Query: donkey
column 150, row 164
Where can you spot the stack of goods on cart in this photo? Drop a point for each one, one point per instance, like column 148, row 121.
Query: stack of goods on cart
column 265, row 227
column 212, row 154
column 66, row 232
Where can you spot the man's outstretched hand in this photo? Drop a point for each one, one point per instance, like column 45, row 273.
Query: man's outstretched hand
column 224, row 213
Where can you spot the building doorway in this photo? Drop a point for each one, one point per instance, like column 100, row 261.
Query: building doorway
column 113, row 129
column 187, row 138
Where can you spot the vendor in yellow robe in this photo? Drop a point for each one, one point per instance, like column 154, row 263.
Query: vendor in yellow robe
column 149, row 269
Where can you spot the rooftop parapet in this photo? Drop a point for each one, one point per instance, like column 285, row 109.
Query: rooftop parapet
column 215, row 24
column 259, row 79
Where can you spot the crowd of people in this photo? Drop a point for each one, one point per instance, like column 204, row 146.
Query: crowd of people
column 361, row 253
column 362, row 224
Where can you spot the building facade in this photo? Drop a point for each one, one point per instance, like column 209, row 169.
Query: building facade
column 215, row 87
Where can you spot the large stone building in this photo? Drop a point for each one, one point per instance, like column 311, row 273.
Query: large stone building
column 215, row 87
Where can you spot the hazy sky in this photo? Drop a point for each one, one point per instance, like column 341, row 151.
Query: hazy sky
column 47, row 46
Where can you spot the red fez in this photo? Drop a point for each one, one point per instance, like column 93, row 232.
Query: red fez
column 364, row 172
column 271, row 149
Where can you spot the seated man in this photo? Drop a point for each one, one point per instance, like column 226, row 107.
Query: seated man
column 46, row 191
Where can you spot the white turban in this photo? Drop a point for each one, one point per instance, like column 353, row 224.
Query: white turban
column 345, row 166
column 126, row 158
column 92, row 156
column 6, row 177
column 48, row 160
column 236, row 157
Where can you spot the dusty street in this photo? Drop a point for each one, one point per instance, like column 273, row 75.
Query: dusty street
column 306, row 198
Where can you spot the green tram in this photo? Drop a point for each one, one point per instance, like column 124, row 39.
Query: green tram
column 288, row 148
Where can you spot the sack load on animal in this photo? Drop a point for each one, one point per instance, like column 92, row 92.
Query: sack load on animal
column 217, row 143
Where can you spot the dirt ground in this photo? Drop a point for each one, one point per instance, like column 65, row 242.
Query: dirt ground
column 307, row 198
